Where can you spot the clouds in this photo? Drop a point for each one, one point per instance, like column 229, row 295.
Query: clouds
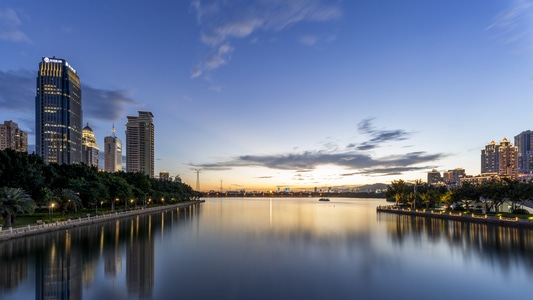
column 378, row 136
column 515, row 24
column 10, row 24
column 223, row 21
column 354, row 158
column 18, row 90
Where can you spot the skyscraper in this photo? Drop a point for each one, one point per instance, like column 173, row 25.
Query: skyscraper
column 90, row 149
column 112, row 153
column 58, row 113
column 524, row 143
column 140, row 143
column 12, row 137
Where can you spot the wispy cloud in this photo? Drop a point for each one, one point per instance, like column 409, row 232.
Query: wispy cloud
column 515, row 24
column 17, row 93
column 354, row 159
column 10, row 24
column 377, row 136
column 223, row 21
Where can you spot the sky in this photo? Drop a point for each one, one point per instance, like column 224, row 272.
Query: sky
column 268, row 94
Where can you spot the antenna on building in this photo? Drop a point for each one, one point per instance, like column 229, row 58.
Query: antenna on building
column 113, row 129
column 197, row 179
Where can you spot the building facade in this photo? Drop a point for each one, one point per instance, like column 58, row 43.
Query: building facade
column 508, row 159
column 490, row 159
column 501, row 159
column 11, row 137
column 58, row 112
column 524, row 143
column 112, row 153
column 90, row 149
column 140, row 143
column 434, row 177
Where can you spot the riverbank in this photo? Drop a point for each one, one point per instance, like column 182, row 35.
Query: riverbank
column 458, row 216
column 12, row 233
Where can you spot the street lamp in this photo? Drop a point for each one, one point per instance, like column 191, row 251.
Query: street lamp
column 52, row 211
column 131, row 202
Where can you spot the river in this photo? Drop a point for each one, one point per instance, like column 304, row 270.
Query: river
column 278, row 248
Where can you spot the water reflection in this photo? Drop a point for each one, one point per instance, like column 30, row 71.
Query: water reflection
column 270, row 249
column 501, row 247
column 65, row 263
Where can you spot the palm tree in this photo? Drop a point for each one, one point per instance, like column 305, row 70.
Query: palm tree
column 67, row 199
column 13, row 201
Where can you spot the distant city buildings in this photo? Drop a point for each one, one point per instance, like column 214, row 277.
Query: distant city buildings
column 164, row 175
column 58, row 112
column 524, row 142
column 112, row 153
column 140, row 143
column 90, row 149
column 500, row 159
column 11, row 137
column 434, row 177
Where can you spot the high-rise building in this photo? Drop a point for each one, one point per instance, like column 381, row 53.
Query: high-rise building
column 490, row 159
column 140, row 143
column 524, row 143
column 112, row 153
column 58, row 113
column 12, row 137
column 90, row 149
column 508, row 159
column 500, row 159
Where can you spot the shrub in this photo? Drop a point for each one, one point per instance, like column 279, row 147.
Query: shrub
column 520, row 211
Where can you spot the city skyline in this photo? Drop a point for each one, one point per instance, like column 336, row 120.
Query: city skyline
column 294, row 94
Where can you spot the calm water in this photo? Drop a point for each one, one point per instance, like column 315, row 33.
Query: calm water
column 279, row 248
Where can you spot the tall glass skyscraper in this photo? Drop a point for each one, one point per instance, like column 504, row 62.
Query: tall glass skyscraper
column 140, row 143
column 58, row 113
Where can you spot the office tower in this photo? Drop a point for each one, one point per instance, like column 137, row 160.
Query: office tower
column 140, row 143
column 112, row 153
column 500, row 158
column 453, row 177
column 12, row 137
column 58, row 113
column 90, row 149
column 524, row 143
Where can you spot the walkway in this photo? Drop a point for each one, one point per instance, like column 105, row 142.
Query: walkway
column 11, row 233
column 458, row 216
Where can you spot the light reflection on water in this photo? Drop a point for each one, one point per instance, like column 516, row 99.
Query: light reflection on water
column 279, row 248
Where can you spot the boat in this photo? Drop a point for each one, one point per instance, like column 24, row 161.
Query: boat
column 323, row 199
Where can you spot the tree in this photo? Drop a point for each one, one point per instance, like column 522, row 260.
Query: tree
column 67, row 199
column 13, row 201
column 397, row 190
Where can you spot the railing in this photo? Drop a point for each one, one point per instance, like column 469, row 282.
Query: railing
column 45, row 227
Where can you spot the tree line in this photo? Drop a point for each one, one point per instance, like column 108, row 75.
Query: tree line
column 27, row 183
column 490, row 195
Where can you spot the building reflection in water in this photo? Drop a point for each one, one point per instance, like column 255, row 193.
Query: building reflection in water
column 66, row 263
column 497, row 245
column 58, row 271
column 140, row 258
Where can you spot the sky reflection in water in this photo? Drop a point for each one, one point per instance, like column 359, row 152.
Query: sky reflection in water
column 279, row 248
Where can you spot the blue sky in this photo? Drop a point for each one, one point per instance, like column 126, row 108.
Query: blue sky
column 291, row 93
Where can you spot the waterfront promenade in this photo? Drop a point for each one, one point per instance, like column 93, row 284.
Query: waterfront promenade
column 12, row 233
column 458, row 216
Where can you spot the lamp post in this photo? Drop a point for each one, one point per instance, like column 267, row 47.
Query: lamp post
column 131, row 202
column 52, row 215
